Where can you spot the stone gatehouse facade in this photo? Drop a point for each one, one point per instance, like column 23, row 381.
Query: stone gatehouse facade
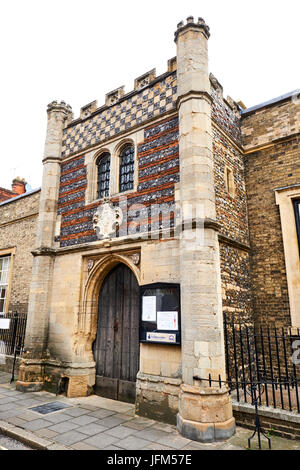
column 161, row 211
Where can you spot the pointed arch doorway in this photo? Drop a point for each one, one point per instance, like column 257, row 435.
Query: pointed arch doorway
column 116, row 348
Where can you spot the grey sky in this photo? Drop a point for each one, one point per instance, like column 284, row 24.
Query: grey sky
column 77, row 51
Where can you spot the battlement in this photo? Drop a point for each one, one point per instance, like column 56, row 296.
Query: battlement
column 61, row 107
column 116, row 96
column 152, row 96
column 190, row 23
column 218, row 94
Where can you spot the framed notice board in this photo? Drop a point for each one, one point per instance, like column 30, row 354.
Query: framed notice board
column 160, row 314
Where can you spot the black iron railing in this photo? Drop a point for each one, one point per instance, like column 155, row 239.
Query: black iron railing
column 266, row 357
column 12, row 339
column 255, row 391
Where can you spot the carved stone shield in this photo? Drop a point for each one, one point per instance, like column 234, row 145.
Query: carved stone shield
column 106, row 220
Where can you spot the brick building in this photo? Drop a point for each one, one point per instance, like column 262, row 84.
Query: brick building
column 18, row 223
column 272, row 173
column 18, row 187
column 161, row 211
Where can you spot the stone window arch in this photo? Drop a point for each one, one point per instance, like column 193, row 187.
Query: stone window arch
column 103, row 175
column 126, row 167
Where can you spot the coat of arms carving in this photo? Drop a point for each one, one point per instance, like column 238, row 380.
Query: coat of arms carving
column 106, row 221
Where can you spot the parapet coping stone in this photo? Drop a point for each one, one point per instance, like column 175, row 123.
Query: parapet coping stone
column 267, row 411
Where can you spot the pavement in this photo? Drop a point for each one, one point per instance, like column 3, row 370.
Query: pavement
column 96, row 423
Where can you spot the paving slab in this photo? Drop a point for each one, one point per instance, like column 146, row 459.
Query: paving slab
column 92, row 429
column 10, row 414
column 36, row 424
column 139, row 423
column 112, row 447
column 8, row 400
column 63, row 427
column 7, row 406
column 89, row 407
column 16, row 421
column 4, row 378
column 83, row 446
column 111, row 421
column 133, row 443
column 193, row 445
column 100, row 413
column 69, row 438
column 75, row 412
column 28, row 403
column 105, row 403
column 121, row 432
column 101, row 441
column 82, row 420
column 164, row 427
column 27, row 415
column 59, row 417
column 175, row 441
column 45, row 433
column 124, row 416
column 156, row 446
column 153, row 435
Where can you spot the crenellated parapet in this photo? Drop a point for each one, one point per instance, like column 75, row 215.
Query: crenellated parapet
column 88, row 109
column 151, row 98
column 191, row 23
column 144, row 80
column 114, row 96
column 61, row 107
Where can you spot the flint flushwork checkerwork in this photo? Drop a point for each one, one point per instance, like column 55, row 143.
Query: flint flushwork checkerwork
column 226, row 118
column 142, row 106
column 158, row 171
column 138, row 108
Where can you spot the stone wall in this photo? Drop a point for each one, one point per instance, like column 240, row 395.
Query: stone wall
column 18, row 222
column 231, row 208
column 270, row 123
column 237, row 299
column 232, row 214
column 270, row 167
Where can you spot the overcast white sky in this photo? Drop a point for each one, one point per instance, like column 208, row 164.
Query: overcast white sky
column 78, row 50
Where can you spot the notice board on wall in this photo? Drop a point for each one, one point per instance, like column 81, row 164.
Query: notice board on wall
column 160, row 314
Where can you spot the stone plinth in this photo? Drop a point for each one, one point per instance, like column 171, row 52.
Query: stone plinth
column 205, row 414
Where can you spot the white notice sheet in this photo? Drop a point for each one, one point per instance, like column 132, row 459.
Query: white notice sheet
column 149, row 309
column 167, row 321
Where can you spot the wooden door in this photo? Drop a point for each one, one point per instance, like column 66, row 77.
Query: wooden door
column 116, row 348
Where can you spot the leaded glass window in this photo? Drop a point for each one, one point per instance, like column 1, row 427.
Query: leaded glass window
column 4, row 271
column 126, row 168
column 297, row 215
column 103, row 164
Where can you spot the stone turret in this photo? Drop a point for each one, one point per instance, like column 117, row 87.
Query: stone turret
column 31, row 374
column 205, row 413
